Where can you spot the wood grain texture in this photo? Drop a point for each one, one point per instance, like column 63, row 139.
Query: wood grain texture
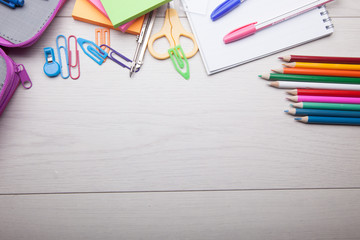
column 157, row 131
column 248, row 215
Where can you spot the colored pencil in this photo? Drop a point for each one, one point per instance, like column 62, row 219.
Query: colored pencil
column 318, row 72
column 324, row 92
column 322, row 112
column 324, row 99
column 323, row 65
column 330, row 106
column 320, row 59
column 309, row 78
column 329, row 120
column 313, row 85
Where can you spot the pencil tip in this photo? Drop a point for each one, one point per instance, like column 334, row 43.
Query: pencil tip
column 260, row 76
column 286, row 111
column 291, row 105
column 297, row 119
column 281, row 58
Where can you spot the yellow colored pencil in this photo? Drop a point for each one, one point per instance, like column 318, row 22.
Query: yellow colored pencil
column 323, row 65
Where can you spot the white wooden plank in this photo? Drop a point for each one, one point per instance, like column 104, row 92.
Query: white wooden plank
column 157, row 131
column 248, row 215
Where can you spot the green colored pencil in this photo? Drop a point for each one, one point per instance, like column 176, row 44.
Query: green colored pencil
column 332, row 106
column 309, row 78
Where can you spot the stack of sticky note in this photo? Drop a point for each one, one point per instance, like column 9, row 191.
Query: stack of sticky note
column 92, row 11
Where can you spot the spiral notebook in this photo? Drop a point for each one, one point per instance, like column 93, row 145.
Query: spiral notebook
column 218, row 56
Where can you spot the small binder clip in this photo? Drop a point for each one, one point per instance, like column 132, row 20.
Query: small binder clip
column 92, row 50
column 65, row 48
column 180, row 59
column 51, row 67
column 77, row 59
column 113, row 52
column 102, row 36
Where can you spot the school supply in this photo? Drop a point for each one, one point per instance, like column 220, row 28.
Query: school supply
column 98, row 5
column 123, row 11
column 11, row 74
column 322, row 112
column 172, row 30
column 102, row 36
column 224, row 8
column 13, row 3
column 72, row 66
column 323, row 92
column 65, row 50
column 142, row 42
column 218, row 56
column 26, row 25
column 353, row 67
column 329, row 120
column 112, row 56
column 331, row 106
column 51, row 66
column 86, row 12
column 320, row 59
column 310, row 78
column 92, row 50
column 314, row 85
column 252, row 28
column 324, row 99
column 318, row 72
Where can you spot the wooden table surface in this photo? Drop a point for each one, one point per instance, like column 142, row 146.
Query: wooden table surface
column 159, row 157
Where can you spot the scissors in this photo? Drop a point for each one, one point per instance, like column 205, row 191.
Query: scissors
column 171, row 30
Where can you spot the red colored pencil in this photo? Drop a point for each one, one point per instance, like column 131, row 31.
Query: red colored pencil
column 324, row 92
column 320, row 59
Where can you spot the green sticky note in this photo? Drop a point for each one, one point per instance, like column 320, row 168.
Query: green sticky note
column 123, row 11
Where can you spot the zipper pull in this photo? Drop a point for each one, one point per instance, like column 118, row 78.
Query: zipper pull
column 24, row 77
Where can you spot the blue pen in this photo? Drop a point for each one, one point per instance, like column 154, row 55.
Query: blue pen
column 224, row 8
column 13, row 3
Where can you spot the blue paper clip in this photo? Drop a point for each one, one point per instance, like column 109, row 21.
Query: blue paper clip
column 93, row 50
column 111, row 57
column 13, row 3
column 65, row 48
column 51, row 67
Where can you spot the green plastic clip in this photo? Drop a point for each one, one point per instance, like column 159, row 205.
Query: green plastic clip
column 177, row 53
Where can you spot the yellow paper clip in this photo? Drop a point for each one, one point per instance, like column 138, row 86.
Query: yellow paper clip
column 102, row 36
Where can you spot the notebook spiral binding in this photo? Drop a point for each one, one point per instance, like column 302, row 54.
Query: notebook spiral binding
column 328, row 19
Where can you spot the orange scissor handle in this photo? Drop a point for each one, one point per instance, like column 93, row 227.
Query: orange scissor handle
column 171, row 30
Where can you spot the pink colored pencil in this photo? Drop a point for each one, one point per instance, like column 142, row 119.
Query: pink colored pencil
column 325, row 99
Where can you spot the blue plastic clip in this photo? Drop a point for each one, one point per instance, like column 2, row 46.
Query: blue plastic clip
column 13, row 3
column 65, row 48
column 92, row 50
column 51, row 67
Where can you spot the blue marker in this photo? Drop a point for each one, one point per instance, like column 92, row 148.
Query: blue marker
column 225, row 8
column 13, row 3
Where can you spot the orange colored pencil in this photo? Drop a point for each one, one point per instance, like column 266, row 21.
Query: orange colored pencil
column 319, row 72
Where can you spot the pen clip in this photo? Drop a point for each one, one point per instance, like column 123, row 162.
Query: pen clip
column 235, row 30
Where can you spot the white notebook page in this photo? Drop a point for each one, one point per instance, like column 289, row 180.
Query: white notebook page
column 218, row 56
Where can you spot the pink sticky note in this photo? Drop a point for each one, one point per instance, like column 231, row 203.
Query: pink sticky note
column 99, row 6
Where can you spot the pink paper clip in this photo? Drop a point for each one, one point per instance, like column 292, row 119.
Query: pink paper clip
column 77, row 60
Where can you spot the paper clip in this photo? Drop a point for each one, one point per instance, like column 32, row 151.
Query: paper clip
column 93, row 51
column 65, row 48
column 51, row 67
column 102, row 36
column 112, row 57
column 77, row 59
column 180, row 59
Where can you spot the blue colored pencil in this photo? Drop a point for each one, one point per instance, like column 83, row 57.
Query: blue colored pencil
column 329, row 120
column 322, row 112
